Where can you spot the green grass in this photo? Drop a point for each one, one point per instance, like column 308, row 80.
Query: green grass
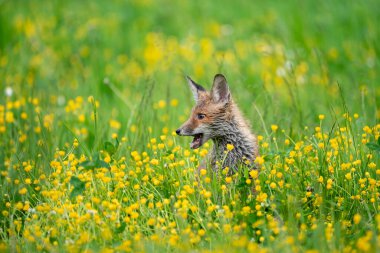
column 88, row 158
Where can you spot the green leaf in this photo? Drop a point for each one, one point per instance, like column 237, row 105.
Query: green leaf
column 90, row 139
column 76, row 192
column 101, row 164
column 110, row 148
column 269, row 157
column 94, row 164
column 122, row 227
column 88, row 165
column 52, row 239
column 242, row 183
column 76, row 182
column 378, row 141
column 373, row 146
column 79, row 187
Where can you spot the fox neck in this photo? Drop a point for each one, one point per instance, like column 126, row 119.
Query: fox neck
column 237, row 133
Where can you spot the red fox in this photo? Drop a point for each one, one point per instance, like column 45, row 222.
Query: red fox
column 216, row 117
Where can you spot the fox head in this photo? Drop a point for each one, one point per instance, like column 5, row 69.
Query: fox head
column 211, row 112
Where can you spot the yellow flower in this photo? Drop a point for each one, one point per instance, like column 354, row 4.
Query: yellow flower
column 357, row 218
column 254, row 174
column 161, row 104
column 133, row 128
column 23, row 191
column 154, row 162
column 363, row 243
column 9, row 117
column 24, row 115
column 151, row 222
column 226, row 228
column 19, row 205
column 321, row 116
column 230, row 147
column 262, row 197
column 203, row 172
column 91, row 99
column 174, row 102
column 107, row 159
column 246, row 210
column 29, row 29
column 274, row 128
column 115, row 124
column 367, row 129
column 372, row 165
column 186, row 153
column 28, row 168
column 203, row 152
column 259, row 160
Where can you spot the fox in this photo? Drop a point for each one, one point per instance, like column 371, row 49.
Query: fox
column 216, row 116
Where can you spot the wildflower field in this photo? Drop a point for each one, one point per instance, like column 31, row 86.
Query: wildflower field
column 91, row 93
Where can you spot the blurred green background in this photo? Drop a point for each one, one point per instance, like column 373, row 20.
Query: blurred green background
column 78, row 78
column 283, row 59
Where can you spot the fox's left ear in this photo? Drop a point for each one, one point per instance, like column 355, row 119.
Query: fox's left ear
column 220, row 92
column 196, row 89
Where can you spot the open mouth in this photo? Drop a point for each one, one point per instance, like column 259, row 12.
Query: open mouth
column 197, row 141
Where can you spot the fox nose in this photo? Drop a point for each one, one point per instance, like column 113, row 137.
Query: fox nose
column 178, row 131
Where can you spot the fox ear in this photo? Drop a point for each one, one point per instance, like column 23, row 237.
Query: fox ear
column 195, row 88
column 220, row 91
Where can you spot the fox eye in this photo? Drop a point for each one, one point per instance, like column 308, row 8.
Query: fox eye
column 201, row 116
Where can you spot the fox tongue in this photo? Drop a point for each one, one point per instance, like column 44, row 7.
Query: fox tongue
column 197, row 141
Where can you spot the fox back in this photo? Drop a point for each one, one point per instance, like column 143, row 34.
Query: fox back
column 215, row 116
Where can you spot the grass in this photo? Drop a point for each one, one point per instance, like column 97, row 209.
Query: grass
column 91, row 92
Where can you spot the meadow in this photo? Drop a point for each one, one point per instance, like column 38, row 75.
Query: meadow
column 91, row 93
